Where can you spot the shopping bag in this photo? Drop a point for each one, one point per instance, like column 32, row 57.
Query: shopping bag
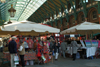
column 31, row 62
column 16, row 59
column 44, row 59
column 27, row 62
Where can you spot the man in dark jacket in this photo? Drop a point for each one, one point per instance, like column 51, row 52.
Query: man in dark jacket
column 12, row 50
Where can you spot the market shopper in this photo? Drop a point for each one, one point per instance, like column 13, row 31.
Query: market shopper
column 51, row 45
column 51, row 49
column 1, row 46
column 22, row 52
column 12, row 47
column 63, row 47
column 74, row 46
column 56, row 49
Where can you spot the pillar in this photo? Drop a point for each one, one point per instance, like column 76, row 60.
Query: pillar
column 99, row 18
column 75, row 22
column 85, row 19
column 99, row 11
column 67, row 25
column 61, row 27
column 86, row 33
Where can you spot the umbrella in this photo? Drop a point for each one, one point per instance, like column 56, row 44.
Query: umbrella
column 27, row 28
column 83, row 28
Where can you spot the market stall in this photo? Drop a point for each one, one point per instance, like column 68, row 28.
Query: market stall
column 88, row 48
column 27, row 28
column 28, row 56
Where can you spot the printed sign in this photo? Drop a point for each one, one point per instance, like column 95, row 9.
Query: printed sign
column 88, row 43
column 94, row 43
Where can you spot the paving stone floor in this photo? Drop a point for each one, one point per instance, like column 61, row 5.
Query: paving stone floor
column 68, row 62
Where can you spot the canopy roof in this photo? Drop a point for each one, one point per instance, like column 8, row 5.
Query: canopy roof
column 83, row 28
column 27, row 27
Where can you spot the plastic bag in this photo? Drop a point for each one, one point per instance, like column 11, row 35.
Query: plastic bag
column 31, row 62
column 16, row 59
column 44, row 59
column 27, row 63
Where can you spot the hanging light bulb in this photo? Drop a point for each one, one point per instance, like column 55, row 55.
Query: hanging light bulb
column 12, row 11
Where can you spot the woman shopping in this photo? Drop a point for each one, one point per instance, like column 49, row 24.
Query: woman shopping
column 56, row 49
column 22, row 52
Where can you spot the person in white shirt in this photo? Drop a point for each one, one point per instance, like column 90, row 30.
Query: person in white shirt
column 22, row 52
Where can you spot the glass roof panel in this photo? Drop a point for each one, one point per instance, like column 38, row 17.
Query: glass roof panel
column 32, row 7
column 19, row 5
column 21, row 2
column 24, row 8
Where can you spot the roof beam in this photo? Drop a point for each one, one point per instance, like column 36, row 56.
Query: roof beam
column 57, row 4
column 47, row 4
column 39, row 16
column 75, row 15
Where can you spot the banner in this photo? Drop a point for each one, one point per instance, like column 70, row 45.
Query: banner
column 94, row 43
column 88, row 43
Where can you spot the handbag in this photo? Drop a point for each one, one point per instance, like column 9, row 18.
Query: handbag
column 16, row 59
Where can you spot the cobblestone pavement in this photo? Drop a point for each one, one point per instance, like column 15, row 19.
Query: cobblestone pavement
column 67, row 62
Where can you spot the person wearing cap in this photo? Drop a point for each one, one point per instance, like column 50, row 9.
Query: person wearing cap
column 22, row 52
column 12, row 47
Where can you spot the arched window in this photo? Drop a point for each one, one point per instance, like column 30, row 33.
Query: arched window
column 82, row 18
column 94, row 14
column 73, row 20
column 58, row 24
column 54, row 24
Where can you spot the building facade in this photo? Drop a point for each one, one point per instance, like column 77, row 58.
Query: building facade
column 88, row 11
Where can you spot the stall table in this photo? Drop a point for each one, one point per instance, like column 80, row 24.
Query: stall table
column 27, row 56
column 90, row 51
